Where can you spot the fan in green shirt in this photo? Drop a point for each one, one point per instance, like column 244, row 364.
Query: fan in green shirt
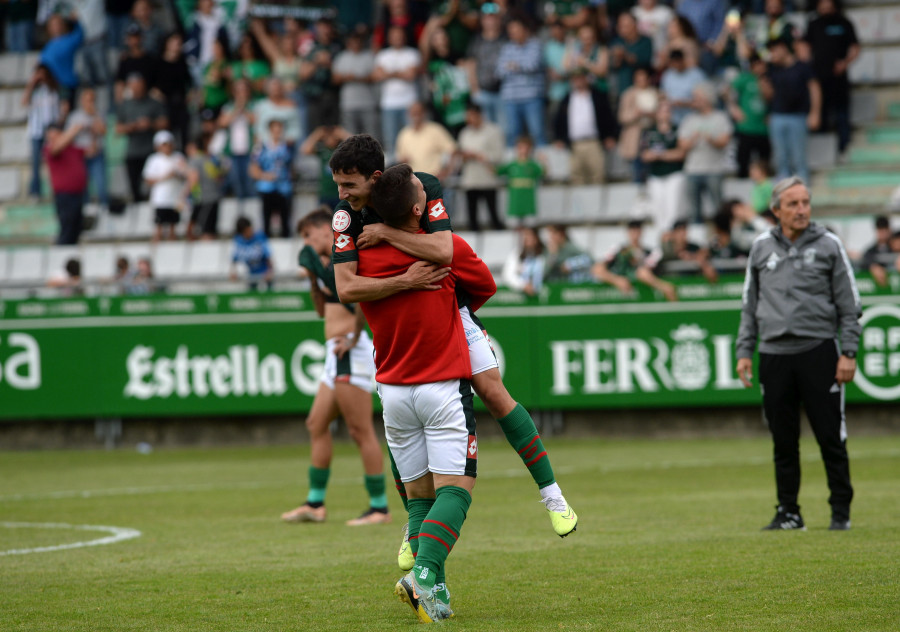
column 523, row 175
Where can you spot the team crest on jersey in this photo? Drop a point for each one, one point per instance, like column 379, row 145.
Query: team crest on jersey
column 341, row 221
column 437, row 210
column 473, row 447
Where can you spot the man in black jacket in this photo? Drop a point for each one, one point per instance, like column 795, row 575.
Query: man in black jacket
column 585, row 122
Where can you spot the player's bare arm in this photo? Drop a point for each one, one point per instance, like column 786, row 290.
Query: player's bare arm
column 353, row 288
column 316, row 294
column 345, row 343
column 435, row 247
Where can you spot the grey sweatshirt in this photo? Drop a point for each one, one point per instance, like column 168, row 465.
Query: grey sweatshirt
column 798, row 294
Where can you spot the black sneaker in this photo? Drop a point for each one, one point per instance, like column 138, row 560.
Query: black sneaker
column 839, row 524
column 784, row 520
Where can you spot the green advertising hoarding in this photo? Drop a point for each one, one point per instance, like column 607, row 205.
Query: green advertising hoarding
column 574, row 347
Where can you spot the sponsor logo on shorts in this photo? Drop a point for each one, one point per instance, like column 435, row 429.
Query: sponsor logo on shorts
column 473, row 335
column 473, row 447
column 341, row 221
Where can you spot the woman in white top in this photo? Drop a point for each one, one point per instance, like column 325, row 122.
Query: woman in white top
column 524, row 270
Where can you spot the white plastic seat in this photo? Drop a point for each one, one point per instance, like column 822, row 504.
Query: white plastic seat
column 606, row 238
column 621, row 199
column 206, row 259
column 169, row 259
column 496, row 246
column 98, row 262
column 586, row 203
column 143, row 225
column 284, row 256
column 28, row 265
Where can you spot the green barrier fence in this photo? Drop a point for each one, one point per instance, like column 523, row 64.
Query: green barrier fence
column 574, row 347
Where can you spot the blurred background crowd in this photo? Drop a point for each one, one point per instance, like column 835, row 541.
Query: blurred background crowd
column 245, row 102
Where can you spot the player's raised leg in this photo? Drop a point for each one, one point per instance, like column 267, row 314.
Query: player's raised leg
column 324, row 410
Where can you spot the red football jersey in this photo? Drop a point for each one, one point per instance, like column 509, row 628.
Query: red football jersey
column 418, row 334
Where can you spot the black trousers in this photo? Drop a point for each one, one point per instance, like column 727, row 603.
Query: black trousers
column 70, row 211
column 788, row 380
column 276, row 204
column 135, row 169
column 490, row 198
column 747, row 145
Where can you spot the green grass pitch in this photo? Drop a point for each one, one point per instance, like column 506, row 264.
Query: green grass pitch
column 668, row 539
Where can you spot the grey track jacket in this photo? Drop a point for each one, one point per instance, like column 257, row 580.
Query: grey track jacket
column 796, row 294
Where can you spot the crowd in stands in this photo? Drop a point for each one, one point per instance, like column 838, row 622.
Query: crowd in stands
column 682, row 91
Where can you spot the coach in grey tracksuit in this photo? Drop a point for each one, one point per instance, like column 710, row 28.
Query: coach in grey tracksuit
column 801, row 303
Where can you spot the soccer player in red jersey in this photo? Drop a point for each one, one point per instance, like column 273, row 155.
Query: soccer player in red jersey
column 423, row 372
column 357, row 163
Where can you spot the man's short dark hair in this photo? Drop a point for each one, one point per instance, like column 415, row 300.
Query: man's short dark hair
column 722, row 220
column 676, row 55
column 679, row 224
column 241, row 225
column 882, row 222
column 635, row 223
column 361, row 153
column 73, row 267
column 317, row 217
column 394, row 194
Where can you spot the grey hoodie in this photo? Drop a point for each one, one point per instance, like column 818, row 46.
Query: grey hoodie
column 798, row 294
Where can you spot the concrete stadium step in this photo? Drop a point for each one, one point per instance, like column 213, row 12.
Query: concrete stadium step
column 15, row 145
column 849, row 179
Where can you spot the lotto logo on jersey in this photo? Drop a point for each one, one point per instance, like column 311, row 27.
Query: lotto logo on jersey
column 473, row 447
column 341, row 221
column 437, row 210
column 342, row 243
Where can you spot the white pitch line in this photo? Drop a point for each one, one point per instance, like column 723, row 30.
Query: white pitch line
column 118, row 534
column 518, row 472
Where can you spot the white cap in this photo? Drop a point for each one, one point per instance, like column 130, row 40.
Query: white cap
column 163, row 136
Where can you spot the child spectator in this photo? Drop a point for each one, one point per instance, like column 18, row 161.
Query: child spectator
column 633, row 262
column 322, row 143
column 270, row 166
column 238, row 119
column 523, row 175
column 142, row 281
column 91, row 140
column 205, row 177
column 164, row 173
column 251, row 249
column 761, row 194
column 42, row 100
column 524, row 270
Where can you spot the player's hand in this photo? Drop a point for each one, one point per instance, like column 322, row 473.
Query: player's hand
column 372, row 235
column 343, row 345
column 423, row 275
column 846, row 369
column 745, row 371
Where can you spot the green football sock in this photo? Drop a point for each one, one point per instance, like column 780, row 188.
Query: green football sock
column 520, row 431
column 418, row 509
column 318, row 482
column 440, row 528
column 375, row 488
column 401, row 488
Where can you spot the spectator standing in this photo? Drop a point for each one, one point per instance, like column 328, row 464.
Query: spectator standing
column 664, row 160
column 320, row 93
column 633, row 262
column 91, row 140
column 173, row 85
column 522, row 177
column 427, row 146
column 628, row 51
column 139, row 117
column 42, row 100
column 118, row 17
column 652, row 21
column 283, row 59
column 800, row 299
column 251, row 248
column 165, row 173
column 677, row 85
column 483, row 53
column 152, row 35
column 481, row 150
column 459, row 18
column 586, row 52
column 92, row 17
column 352, row 71
column 761, row 192
column 448, row 82
column 277, row 106
column 834, row 48
column 775, row 26
column 205, row 176
column 135, row 60
column 20, row 19
column 680, row 36
column 321, row 143
column 238, row 119
column 68, row 178
column 704, row 137
column 249, row 65
column 749, row 109
column 795, row 102
column 556, row 47
column 585, row 123
column 875, row 257
column 400, row 14
column 207, row 28
column 637, row 112
column 520, row 68
column 58, row 55
column 707, row 18
column 524, row 270
column 397, row 69
column 565, row 262
column 214, row 79
column 572, row 14
column 270, row 166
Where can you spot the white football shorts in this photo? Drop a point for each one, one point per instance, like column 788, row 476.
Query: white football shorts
column 481, row 354
column 356, row 367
